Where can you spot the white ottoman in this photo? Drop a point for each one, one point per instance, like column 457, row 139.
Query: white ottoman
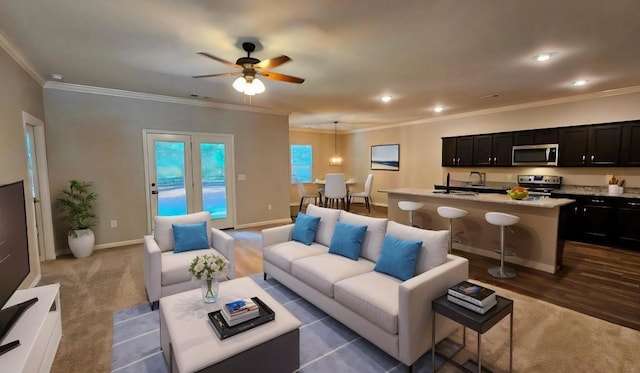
column 189, row 343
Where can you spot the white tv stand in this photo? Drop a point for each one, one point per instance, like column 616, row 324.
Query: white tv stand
column 39, row 330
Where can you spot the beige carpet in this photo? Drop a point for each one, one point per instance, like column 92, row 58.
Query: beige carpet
column 547, row 338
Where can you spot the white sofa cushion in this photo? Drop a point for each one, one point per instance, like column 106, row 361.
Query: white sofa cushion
column 372, row 295
column 282, row 254
column 434, row 244
column 322, row 271
column 376, row 229
column 163, row 230
column 175, row 266
column 328, row 220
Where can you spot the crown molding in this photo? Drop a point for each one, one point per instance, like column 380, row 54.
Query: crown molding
column 20, row 59
column 158, row 98
column 502, row 109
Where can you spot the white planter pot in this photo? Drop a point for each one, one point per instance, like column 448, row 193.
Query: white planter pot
column 82, row 245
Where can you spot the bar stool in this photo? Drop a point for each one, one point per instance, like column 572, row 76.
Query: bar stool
column 503, row 220
column 451, row 213
column 410, row 206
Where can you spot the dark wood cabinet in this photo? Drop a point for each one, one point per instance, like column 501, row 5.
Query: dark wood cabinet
column 536, row 137
column 492, row 150
column 457, row 151
column 573, row 146
column 590, row 146
column 482, row 155
column 627, row 223
column 610, row 221
column 501, row 149
column 596, row 219
column 630, row 147
column 598, row 145
column 604, row 145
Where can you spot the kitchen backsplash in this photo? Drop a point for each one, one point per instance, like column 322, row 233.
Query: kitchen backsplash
column 589, row 177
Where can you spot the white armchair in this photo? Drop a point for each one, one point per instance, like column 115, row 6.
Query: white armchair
column 166, row 272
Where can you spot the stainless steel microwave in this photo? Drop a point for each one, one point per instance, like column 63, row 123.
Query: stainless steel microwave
column 535, row 155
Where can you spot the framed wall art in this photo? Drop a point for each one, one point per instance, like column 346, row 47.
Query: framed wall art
column 385, row 157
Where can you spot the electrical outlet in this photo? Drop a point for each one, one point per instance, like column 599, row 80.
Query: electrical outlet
column 114, row 224
column 269, row 207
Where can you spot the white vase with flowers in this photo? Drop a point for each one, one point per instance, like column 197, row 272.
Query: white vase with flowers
column 209, row 268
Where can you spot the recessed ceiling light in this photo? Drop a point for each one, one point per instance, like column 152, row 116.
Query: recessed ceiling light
column 385, row 98
column 56, row 77
column 543, row 57
column 438, row 109
column 580, row 82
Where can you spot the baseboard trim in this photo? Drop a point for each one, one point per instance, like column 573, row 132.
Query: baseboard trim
column 266, row 222
column 118, row 244
column 509, row 259
column 105, row 246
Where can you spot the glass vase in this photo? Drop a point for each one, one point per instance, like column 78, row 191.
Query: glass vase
column 209, row 289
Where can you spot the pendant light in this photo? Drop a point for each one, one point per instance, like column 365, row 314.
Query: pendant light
column 335, row 159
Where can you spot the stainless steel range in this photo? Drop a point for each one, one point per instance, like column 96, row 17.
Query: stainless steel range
column 540, row 185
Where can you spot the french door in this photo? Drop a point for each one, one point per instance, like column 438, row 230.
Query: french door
column 188, row 173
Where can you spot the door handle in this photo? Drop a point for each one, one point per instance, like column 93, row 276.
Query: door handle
column 593, row 157
column 154, row 190
column 583, row 158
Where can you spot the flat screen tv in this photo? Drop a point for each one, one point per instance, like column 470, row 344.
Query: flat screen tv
column 14, row 251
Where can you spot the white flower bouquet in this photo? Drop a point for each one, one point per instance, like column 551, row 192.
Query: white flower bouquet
column 208, row 266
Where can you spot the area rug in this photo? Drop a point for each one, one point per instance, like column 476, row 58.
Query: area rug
column 546, row 338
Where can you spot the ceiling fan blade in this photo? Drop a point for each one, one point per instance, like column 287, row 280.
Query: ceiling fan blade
column 272, row 62
column 214, row 75
column 282, row 77
column 220, row 60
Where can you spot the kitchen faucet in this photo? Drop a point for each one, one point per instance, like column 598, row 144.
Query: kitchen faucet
column 481, row 175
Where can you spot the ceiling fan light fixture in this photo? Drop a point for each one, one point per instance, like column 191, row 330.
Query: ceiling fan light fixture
column 438, row 109
column 249, row 88
column 542, row 57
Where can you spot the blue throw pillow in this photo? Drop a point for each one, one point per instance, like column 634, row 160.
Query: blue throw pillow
column 305, row 228
column 190, row 237
column 398, row 257
column 347, row 240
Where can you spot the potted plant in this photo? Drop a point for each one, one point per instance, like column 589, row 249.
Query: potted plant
column 77, row 208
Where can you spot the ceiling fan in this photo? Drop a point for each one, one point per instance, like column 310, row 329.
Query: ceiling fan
column 250, row 67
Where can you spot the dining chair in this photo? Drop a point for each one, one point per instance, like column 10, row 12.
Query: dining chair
column 335, row 190
column 303, row 196
column 366, row 194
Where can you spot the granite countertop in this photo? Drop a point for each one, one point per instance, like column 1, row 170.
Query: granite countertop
column 483, row 197
column 577, row 190
column 601, row 191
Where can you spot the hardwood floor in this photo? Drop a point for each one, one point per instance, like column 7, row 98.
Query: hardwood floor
column 595, row 280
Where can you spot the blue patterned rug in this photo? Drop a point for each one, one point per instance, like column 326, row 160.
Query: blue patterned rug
column 326, row 345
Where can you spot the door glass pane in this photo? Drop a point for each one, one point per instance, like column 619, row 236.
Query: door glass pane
column 170, row 172
column 30, row 162
column 214, row 191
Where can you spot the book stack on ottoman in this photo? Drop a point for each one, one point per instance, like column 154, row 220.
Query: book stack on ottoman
column 472, row 296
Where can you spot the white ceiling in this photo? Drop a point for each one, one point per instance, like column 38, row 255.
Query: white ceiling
column 423, row 53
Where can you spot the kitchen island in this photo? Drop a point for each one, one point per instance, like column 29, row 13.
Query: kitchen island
column 534, row 239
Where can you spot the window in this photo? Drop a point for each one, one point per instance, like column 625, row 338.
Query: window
column 301, row 163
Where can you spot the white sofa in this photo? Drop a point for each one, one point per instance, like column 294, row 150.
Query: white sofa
column 166, row 272
column 394, row 315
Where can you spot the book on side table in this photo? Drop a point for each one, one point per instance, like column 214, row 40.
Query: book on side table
column 472, row 296
column 222, row 328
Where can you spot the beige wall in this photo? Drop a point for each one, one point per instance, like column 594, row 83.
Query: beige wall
column 98, row 138
column 421, row 145
column 18, row 92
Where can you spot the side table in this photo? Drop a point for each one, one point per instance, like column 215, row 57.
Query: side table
column 472, row 320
